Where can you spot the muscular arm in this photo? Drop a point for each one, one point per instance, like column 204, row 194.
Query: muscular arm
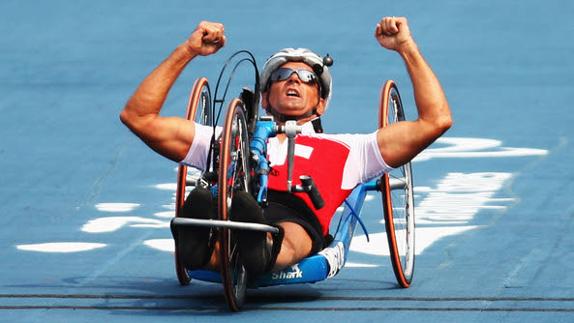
column 169, row 136
column 401, row 142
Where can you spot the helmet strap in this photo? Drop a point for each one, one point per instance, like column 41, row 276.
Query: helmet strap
column 317, row 125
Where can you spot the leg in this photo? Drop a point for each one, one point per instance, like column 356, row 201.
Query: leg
column 256, row 247
column 193, row 243
column 297, row 245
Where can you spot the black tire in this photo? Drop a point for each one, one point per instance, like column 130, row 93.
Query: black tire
column 199, row 110
column 398, row 198
column 234, row 176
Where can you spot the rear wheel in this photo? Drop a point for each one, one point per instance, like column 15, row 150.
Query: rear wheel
column 233, row 177
column 198, row 110
column 397, row 193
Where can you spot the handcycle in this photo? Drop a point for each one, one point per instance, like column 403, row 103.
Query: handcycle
column 237, row 161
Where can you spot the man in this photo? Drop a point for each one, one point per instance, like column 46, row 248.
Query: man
column 296, row 85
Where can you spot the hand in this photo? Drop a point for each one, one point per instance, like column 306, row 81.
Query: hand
column 207, row 39
column 393, row 33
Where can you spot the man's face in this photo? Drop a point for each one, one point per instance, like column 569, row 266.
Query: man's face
column 293, row 97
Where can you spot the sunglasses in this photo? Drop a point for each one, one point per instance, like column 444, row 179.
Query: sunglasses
column 283, row 74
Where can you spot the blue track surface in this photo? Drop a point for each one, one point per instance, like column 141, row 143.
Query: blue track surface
column 494, row 197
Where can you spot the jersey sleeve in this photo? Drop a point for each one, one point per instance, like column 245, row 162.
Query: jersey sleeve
column 199, row 149
column 365, row 161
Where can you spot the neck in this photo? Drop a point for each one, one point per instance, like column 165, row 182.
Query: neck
column 310, row 116
column 281, row 118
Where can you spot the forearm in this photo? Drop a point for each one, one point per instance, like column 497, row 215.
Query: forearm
column 402, row 141
column 430, row 99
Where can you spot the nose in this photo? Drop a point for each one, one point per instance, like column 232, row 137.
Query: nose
column 294, row 77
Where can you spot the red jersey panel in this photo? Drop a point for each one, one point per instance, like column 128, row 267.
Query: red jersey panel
column 324, row 160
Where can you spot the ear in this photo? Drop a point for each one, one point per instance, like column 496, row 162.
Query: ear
column 320, row 107
column 265, row 100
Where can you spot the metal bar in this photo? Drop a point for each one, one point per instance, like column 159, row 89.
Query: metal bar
column 224, row 224
column 398, row 183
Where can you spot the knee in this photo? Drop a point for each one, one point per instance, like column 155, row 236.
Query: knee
column 287, row 255
column 295, row 247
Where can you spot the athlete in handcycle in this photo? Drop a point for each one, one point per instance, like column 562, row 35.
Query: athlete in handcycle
column 270, row 186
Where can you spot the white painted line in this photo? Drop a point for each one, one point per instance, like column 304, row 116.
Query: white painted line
column 169, row 206
column 158, row 225
column 166, row 245
column 165, row 214
column 166, row 186
column 425, row 237
column 114, row 223
column 349, row 264
column 116, row 207
column 475, row 148
column 61, row 247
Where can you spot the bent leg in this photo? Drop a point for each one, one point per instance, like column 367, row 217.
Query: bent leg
column 296, row 246
column 193, row 243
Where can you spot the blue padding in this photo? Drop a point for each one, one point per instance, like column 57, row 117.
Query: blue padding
column 205, row 275
column 310, row 270
column 317, row 267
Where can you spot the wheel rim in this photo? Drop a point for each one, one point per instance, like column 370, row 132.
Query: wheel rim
column 398, row 198
column 199, row 110
column 233, row 176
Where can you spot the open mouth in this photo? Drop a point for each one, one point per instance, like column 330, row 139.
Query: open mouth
column 293, row 93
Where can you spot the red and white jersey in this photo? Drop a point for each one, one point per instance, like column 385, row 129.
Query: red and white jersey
column 337, row 163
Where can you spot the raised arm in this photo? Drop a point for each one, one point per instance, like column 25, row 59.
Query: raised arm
column 401, row 142
column 169, row 136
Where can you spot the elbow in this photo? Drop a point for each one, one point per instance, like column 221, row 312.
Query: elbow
column 135, row 122
column 443, row 123
column 124, row 118
column 128, row 119
column 438, row 125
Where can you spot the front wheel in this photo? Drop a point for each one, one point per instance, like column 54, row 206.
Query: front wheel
column 198, row 110
column 233, row 177
column 398, row 198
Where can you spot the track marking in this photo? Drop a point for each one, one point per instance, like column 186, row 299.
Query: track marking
column 290, row 308
column 457, row 147
column 116, row 207
column 425, row 237
column 165, row 214
column 166, row 245
column 61, row 247
column 114, row 223
column 388, row 303
column 303, row 297
column 446, row 209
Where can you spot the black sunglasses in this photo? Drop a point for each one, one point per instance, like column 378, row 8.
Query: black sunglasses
column 282, row 74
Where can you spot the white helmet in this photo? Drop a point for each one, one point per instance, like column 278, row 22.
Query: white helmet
column 319, row 65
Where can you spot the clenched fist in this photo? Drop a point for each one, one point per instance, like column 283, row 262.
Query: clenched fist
column 207, row 39
column 393, row 33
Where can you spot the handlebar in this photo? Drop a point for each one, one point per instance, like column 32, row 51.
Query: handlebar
column 291, row 130
column 265, row 129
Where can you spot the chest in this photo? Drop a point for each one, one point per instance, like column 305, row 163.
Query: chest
column 314, row 156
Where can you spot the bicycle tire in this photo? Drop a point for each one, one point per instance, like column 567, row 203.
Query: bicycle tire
column 233, row 175
column 397, row 195
column 199, row 110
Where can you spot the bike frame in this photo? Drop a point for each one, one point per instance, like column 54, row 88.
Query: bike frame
column 323, row 265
